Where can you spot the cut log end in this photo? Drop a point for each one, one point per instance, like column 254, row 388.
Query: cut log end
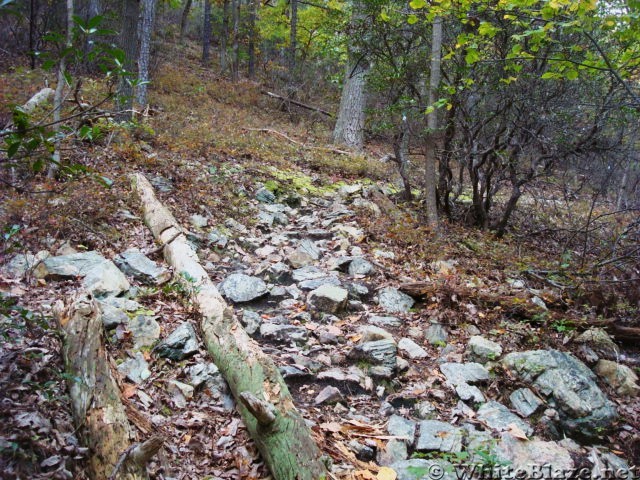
column 264, row 412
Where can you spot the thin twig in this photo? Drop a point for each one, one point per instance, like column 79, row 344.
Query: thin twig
column 296, row 142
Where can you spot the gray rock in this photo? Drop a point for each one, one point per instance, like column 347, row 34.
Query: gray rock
column 112, row 316
column 144, row 330
column 318, row 282
column 620, row 377
column 538, row 302
column 162, row 184
column 411, row 349
column 104, row 280
column 439, row 436
column 360, row 267
column 394, row 451
column 101, row 277
column 306, row 253
column 308, row 272
column 498, row 417
column 283, row 333
column 425, row 410
column 217, row 238
column 436, row 334
column 291, row 372
column 394, row 301
column 133, row 262
column 600, row 342
column 338, row 263
column 21, row 264
column 251, row 321
column 568, row 386
column 265, row 196
column 121, row 303
column 535, row 456
column 135, row 369
column 378, row 352
column 402, row 427
column 207, row 375
column 328, row 298
column 383, row 372
column 180, row 392
column 278, row 292
column 525, row 402
column 198, row 221
column 278, row 272
column 328, row 394
column 180, row 344
column 372, row 333
column 483, row 350
column 235, row 225
column 357, row 290
column 239, row 287
column 421, row 469
column 462, row 376
column 364, row 453
column 341, row 376
column 385, row 321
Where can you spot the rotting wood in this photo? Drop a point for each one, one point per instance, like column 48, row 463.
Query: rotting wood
column 286, row 444
column 98, row 412
column 296, row 142
column 299, row 104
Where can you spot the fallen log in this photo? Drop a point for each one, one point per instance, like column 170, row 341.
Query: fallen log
column 263, row 399
column 299, row 104
column 98, row 412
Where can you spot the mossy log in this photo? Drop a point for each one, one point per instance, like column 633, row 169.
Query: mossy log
column 279, row 431
column 98, row 412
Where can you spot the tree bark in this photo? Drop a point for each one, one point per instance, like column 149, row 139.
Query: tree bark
column 235, row 66
column 206, row 33
column 184, row 18
column 224, row 36
column 279, row 431
column 148, row 13
column 253, row 13
column 129, row 44
column 430, row 180
column 98, row 412
column 58, row 98
column 349, row 128
column 401, row 153
column 293, row 47
column 33, row 19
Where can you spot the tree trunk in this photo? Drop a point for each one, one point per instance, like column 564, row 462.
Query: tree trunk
column 430, row 181
column 184, row 18
column 206, row 33
column 58, row 98
column 235, row 67
column 148, row 8
column 293, row 47
column 401, row 152
column 253, row 13
column 279, row 431
column 129, row 44
column 98, row 412
column 349, row 128
column 33, row 23
column 224, row 36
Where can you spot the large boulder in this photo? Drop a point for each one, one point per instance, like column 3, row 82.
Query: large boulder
column 135, row 263
column 328, row 298
column 568, row 386
column 462, row 377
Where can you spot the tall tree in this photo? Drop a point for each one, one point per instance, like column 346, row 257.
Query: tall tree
column 253, row 13
column 349, row 128
column 147, row 16
column 430, row 181
column 58, row 99
column 129, row 45
column 293, row 46
column 184, row 18
column 235, row 65
column 206, row 33
column 224, row 35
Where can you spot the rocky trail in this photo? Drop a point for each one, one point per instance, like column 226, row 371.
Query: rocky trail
column 380, row 385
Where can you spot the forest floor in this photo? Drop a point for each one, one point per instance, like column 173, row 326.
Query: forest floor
column 216, row 152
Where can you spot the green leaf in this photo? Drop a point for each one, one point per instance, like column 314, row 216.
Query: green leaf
column 384, row 16
column 12, row 149
column 412, row 19
column 418, row 4
column 472, row 56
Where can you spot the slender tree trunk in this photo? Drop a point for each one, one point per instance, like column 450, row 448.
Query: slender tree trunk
column 293, row 47
column 144, row 56
column 430, row 189
column 58, row 98
column 349, row 128
column 235, row 67
column 129, row 44
column 401, row 151
column 185, row 18
column 224, row 36
column 33, row 20
column 206, row 33
column 253, row 13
